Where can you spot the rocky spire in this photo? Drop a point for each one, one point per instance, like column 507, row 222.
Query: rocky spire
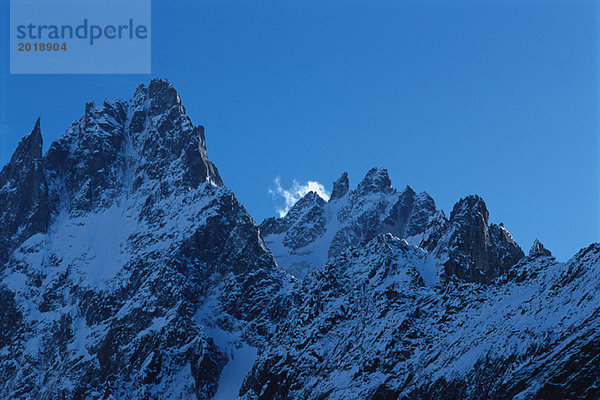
column 170, row 135
column 411, row 214
column 28, row 151
column 163, row 97
column 470, row 216
column 340, row 187
column 185, row 249
column 376, row 180
column 470, row 210
column 149, row 140
column 538, row 249
column 23, row 194
column 478, row 252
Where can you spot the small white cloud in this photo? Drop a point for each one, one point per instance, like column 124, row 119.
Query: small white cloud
column 296, row 192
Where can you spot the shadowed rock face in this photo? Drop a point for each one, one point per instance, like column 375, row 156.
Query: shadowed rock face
column 24, row 209
column 174, row 136
column 478, row 252
column 340, row 187
column 376, row 180
column 411, row 214
column 470, row 216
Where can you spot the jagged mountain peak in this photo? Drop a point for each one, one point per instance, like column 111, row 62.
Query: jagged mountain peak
column 409, row 190
column 370, row 333
column 470, row 207
column 422, row 199
column 163, row 97
column 340, row 187
column 477, row 251
column 160, row 96
column 157, row 104
column 538, row 249
column 425, row 198
column 466, row 246
column 24, row 209
column 125, row 260
column 376, row 180
column 314, row 231
column 160, row 284
column 168, row 132
column 147, row 143
column 27, row 157
column 30, row 147
column 310, row 198
column 115, row 149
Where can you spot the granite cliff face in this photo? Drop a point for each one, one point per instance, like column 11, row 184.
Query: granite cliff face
column 476, row 251
column 128, row 270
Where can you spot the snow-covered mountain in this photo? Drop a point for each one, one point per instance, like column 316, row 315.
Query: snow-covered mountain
column 128, row 270
column 367, row 327
column 465, row 246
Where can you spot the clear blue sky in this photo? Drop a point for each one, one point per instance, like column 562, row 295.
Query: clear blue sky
column 498, row 98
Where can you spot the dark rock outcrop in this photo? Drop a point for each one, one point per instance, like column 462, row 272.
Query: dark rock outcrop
column 538, row 249
column 340, row 187
column 24, row 206
column 477, row 251
column 377, row 180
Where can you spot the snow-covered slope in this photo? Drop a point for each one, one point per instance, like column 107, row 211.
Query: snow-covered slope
column 133, row 272
column 366, row 327
column 313, row 229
